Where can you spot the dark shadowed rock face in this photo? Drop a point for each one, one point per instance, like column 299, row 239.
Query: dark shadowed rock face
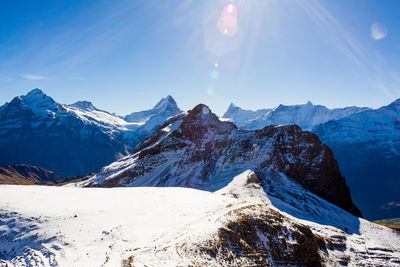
column 198, row 150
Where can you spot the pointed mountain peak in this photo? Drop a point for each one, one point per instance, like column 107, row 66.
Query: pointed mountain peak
column 35, row 100
column 309, row 103
column 166, row 102
column 232, row 106
column 83, row 105
column 36, row 91
column 37, row 97
column 230, row 111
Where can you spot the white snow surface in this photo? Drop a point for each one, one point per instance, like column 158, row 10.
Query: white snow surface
column 71, row 226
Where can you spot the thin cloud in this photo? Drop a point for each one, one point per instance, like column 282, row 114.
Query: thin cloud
column 33, row 77
column 79, row 78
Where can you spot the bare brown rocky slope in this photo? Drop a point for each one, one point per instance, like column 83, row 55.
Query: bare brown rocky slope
column 31, row 175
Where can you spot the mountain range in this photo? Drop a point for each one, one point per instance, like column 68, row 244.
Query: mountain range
column 75, row 139
column 269, row 197
column 307, row 116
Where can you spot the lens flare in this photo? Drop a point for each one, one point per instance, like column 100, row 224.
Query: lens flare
column 210, row 91
column 205, row 110
column 378, row 31
column 214, row 74
column 227, row 23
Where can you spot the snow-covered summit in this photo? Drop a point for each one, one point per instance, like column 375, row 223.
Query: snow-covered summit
column 237, row 114
column 83, row 105
column 165, row 108
column 153, row 118
column 167, row 103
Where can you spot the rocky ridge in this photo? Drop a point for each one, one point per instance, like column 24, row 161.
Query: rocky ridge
column 200, row 151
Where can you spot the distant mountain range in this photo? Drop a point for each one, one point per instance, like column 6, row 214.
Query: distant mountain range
column 365, row 141
column 72, row 139
column 307, row 116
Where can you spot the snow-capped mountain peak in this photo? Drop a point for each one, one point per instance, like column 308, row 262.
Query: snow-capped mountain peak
column 86, row 105
column 36, row 91
column 36, row 98
column 167, row 103
column 230, row 111
column 156, row 116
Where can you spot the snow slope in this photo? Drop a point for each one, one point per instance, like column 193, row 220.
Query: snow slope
column 306, row 116
column 238, row 225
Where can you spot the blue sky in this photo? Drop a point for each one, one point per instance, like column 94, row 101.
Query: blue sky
column 125, row 55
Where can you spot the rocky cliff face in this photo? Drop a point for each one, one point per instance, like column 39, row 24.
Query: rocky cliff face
column 198, row 150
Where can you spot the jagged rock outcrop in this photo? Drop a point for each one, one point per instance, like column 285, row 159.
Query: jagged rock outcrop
column 200, row 151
